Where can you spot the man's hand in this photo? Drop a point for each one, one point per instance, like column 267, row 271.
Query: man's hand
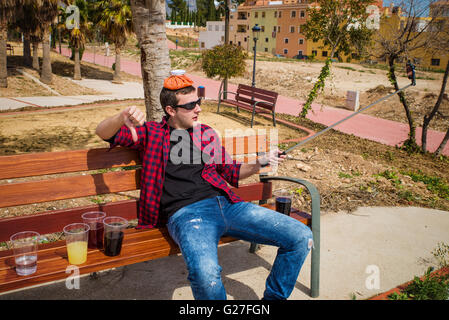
column 133, row 117
column 271, row 158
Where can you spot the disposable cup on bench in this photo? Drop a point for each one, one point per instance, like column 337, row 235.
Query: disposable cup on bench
column 95, row 221
column 76, row 235
column 25, row 246
column 283, row 201
column 113, row 235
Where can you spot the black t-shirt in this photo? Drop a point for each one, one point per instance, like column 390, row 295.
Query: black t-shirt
column 183, row 184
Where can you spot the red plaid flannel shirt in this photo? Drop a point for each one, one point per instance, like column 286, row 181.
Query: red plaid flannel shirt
column 154, row 146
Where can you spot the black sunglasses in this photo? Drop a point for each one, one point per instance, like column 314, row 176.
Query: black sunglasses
column 190, row 105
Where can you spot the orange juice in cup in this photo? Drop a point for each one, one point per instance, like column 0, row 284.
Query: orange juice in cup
column 76, row 235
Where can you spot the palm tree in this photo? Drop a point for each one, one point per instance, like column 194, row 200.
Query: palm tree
column 46, row 12
column 9, row 10
column 79, row 34
column 30, row 26
column 115, row 20
column 149, row 25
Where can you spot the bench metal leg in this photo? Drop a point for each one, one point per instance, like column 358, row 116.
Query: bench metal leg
column 218, row 107
column 274, row 119
column 252, row 118
column 315, row 206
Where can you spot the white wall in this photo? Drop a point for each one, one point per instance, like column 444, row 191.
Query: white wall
column 214, row 34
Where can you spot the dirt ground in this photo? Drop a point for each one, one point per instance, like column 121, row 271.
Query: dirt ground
column 348, row 171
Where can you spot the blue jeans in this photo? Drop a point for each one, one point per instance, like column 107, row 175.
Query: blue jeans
column 198, row 227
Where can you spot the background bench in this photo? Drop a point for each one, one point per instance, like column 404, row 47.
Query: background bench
column 252, row 99
column 138, row 245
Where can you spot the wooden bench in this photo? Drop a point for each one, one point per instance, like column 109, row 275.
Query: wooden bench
column 86, row 174
column 10, row 48
column 252, row 99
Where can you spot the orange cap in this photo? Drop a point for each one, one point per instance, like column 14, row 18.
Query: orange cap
column 177, row 80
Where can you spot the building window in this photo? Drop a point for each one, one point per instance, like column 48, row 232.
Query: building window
column 263, row 14
column 279, row 29
column 314, row 53
column 217, row 28
column 244, row 39
column 209, row 28
column 266, row 49
column 300, row 53
column 249, row 14
column 275, row 14
column 302, row 14
column 292, row 29
column 266, row 39
column 274, row 29
column 293, row 14
column 301, row 41
column 286, row 40
column 285, row 51
column 256, row 14
column 324, row 53
column 435, row 62
column 202, row 45
column 280, row 14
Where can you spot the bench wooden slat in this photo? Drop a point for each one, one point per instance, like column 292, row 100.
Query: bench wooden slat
column 44, row 163
column 54, row 221
column 68, row 187
column 246, row 95
column 36, row 164
column 257, row 90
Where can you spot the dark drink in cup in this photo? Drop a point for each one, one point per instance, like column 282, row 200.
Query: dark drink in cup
column 283, row 205
column 96, row 237
column 113, row 235
column 113, row 243
column 95, row 221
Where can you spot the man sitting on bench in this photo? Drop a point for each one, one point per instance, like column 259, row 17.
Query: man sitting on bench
column 185, row 185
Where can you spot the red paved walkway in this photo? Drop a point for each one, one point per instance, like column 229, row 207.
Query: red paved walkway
column 376, row 129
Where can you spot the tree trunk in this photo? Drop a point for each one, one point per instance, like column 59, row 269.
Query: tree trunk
column 36, row 55
column 410, row 143
column 117, row 69
column 149, row 25
column 46, row 74
column 443, row 143
column 77, row 71
column 429, row 117
column 3, row 56
column 26, row 51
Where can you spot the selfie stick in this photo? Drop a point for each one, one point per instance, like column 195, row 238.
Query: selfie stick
column 410, row 74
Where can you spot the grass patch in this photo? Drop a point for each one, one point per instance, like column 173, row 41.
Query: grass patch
column 433, row 184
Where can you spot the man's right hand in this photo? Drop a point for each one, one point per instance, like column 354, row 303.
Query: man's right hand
column 133, row 117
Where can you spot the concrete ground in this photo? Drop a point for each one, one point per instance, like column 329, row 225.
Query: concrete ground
column 362, row 254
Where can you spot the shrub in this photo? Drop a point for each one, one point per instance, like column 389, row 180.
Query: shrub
column 225, row 61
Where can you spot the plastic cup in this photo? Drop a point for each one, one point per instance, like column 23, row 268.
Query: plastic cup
column 113, row 235
column 76, row 235
column 95, row 221
column 283, row 201
column 25, row 246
